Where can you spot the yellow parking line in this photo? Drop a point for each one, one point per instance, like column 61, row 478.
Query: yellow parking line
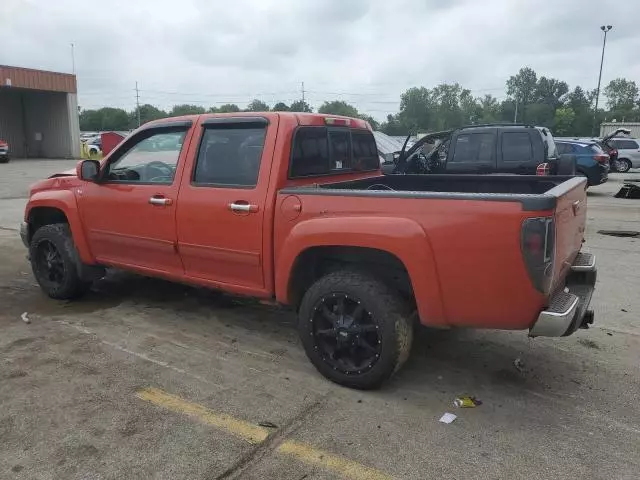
column 247, row 431
column 343, row 466
column 255, row 434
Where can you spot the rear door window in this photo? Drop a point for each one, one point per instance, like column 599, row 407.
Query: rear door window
column 474, row 148
column 517, row 147
column 625, row 144
column 564, row 148
column 230, row 155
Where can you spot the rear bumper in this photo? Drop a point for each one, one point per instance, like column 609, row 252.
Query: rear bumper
column 568, row 308
column 597, row 174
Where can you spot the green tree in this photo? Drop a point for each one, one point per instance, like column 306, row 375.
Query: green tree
column 580, row 102
column 338, row 107
column 106, row 118
column 563, row 121
column 300, row 106
column 522, row 87
column 393, row 126
column 186, row 109
column 147, row 113
column 416, row 109
column 280, row 107
column 623, row 99
column 257, row 106
column 372, row 121
column 489, row 109
column 226, row 108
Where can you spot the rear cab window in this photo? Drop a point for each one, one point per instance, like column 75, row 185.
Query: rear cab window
column 326, row 151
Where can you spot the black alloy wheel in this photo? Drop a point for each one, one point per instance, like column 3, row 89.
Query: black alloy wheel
column 49, row 264
column 355, row 328
column 345, row 334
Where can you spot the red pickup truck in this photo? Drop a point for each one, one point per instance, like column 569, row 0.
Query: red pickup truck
column 292, row 207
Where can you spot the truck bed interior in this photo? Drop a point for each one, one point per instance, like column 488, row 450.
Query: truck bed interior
column 490, row 184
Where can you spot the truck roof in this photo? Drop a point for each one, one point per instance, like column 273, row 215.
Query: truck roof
column 301, row 118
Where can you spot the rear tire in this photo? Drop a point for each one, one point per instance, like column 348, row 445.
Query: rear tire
column 55, row 262
column 371, row 337
column 623, row 165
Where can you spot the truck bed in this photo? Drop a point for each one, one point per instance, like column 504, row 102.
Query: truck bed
column 533, row 192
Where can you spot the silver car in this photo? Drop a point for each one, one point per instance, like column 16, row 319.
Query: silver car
column 628, row 153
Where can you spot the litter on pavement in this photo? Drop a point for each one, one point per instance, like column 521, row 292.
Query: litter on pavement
column 448, row 418
column 25, row 318
column 466, row 402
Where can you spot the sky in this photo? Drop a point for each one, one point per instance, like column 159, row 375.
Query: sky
column 365, row 52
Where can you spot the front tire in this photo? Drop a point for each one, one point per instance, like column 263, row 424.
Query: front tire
column 355, row 329
column 55, row 262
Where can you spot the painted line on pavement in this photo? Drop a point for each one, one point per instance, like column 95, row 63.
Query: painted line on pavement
column 255, row 435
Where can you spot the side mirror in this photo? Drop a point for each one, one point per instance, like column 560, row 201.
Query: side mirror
column 387, row 168
column 88, row 170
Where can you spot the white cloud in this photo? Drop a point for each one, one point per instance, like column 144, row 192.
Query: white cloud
column 365, row 52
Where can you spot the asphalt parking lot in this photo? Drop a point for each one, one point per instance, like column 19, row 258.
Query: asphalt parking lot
column 147, row 379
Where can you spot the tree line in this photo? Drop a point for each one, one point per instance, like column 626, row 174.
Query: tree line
column 532, row 99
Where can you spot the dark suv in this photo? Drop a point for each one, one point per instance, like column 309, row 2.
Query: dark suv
column 492, row 148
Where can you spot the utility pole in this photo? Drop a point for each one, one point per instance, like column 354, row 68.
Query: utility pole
column 73, row 60
column 515, row 115
column 605, row 29
column 138, row 102
column 302, row 92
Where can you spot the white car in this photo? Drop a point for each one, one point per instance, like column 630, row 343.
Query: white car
column 628, row 153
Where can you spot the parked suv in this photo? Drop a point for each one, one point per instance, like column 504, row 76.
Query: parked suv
column 492, row 148
column 628, row 153
column 591, row 160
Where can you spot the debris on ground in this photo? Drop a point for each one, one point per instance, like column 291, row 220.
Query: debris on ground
column 623, row 310
column 466, row 401
column 25, row 318
column 267, row 425
column 619, row 233
column 448, row 417
column 588, row 343
column 628, row 190
column 519, row 364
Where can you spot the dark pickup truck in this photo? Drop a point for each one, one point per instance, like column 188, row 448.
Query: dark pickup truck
column 484, row 149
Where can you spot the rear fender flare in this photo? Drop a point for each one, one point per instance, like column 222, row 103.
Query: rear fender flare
column 65, row 201
column 401, row 237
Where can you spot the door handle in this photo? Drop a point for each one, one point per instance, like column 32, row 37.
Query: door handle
column 160, row 201
column 243, row 207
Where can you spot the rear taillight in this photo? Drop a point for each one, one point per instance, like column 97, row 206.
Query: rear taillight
column 601, row 158
column 538, row 251
column 543, row 169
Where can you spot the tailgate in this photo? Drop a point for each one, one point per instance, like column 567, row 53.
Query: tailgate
column 570, row 219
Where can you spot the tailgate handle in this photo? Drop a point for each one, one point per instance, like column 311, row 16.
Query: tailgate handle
column 576, row 206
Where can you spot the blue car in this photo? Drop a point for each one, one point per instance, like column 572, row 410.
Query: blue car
column 591, row 161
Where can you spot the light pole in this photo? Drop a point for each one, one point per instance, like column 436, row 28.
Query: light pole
column 605, row 29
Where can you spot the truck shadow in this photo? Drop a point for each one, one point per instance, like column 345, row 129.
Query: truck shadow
column 451, row 361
